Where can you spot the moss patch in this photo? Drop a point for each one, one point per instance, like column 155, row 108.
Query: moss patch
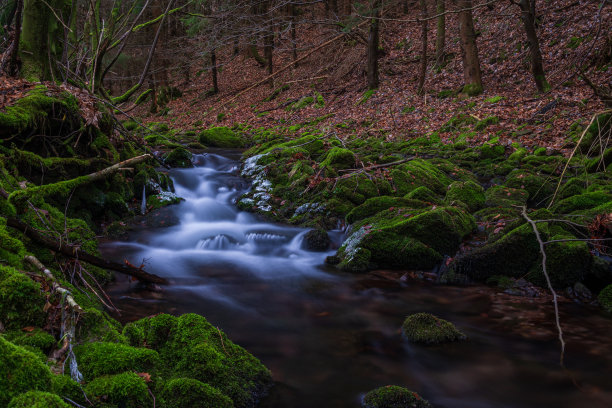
column 425, row 328
column 393, row 396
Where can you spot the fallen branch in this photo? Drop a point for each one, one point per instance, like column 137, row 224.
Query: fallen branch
column 379, row 166
column 55, row 286
column 64, row 187
column 548, row 282
column 74, row 251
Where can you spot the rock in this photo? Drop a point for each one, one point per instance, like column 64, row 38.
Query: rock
column 425, row 328
column 316, row 240
column 393, row 396
column 605, row 298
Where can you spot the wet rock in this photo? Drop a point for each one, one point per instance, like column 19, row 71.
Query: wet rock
column 579, row 292
column 393, row 396
column 425, row 328
column 316, row 240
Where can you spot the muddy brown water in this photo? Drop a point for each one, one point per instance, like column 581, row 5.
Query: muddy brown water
column 329, row 337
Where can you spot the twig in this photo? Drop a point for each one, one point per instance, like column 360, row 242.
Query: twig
column 55, row 286
column 548, row 282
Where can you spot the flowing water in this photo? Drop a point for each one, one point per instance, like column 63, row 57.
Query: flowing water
column 329, row 337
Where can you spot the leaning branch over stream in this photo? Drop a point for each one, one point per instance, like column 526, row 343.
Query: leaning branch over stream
column 74, row 251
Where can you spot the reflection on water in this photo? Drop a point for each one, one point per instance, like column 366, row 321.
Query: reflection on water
column 329, row 337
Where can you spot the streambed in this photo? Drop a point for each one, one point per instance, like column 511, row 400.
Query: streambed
column 329, row 337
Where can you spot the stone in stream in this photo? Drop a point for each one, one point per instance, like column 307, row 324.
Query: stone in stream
column 393, row 396
column 316, row 240
column 425, row 328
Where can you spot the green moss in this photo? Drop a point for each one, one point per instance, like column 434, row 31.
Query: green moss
column 425, row 328
column 37, row 399
column 582, row 202
column 366, row 96
column 486, row 122
column 187, row 392
column 376, row 204
column 472, row 89
column 468, row 193
column 459, row 122
column 36, row 338
column 61, row 189
column 390, row 250
column 423, row 194
column 20, row 371
column 488, row 151
column 540, row 188
column 179, row 157
column 358, row 261
column 502, row 196
column 126, row 390
column 518, row 154
column 12, row 249
column 220, row 137
column 339, row 158
column 302, row 103
column 65, row 386
column 355, row 189
column 605, row 298
column 417, row 173
column 21, row 300
column 97, row 326
column 96, row 359
column 393, row 396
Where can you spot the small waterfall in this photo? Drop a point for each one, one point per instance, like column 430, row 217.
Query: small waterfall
column 143, row 204
column 219, row 242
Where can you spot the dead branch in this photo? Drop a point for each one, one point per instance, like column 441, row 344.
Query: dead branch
column 548, row 282
column 74, row 251
column 54, row 283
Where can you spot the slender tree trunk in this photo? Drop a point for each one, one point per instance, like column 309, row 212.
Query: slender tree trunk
column 471, row 63
column 269, row 52
column 441, row 31
column 294, row 34
column 373, row 80
column 537, row 66
column 213, row 70
column 423, row 71
column 13, row 52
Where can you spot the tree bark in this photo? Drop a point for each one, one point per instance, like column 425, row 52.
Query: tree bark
column 441, row 31
column 423, row 70
column 373, row 37
column 537, row 66
column 213, row 70
column 74, row 251
column 294, row 34
column 13, row 51
column 471, row 63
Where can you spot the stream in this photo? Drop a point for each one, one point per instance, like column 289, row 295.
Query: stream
column 329, row 337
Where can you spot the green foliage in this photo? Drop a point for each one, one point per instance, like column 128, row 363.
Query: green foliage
column 472, row 89
column 501, row 196
column 187, row 392
column 393, row 396
column 179, row 157
column 486, row 122
column 467, row 193
column 339, row 158
column 21, row 299
column 425, row 328
column 605, row 298
column 20, row 371
column 366, row 96
column 220, row 137
column 96, row 359
column 65, row 386
column 375, row 205
column 126, row 390
column 494, row 99
column 37, row 399
column 36, row 338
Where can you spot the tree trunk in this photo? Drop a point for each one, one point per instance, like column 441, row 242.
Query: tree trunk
column 294, row 34
column 213, row 71
column 471, row 64
column 441, row 31
column 423, row 71
column 41, row 46
column 537, row 66
column 373, row 46
column 13, row 51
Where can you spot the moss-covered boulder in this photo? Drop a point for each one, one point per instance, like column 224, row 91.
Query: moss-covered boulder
column 502, row 196
column 583, row 201
column 417, row 173
column 465, row 193
column 540, row 188
column 187, row 392
column 36, row 338
column 220, row 137
column 316, row 240
column 20, row 371
column 423, row 194
column 393, row 396
column 178, row 157
column 66, row 387
column 21, row 299
column 338, row 158
column 375, row 205
column 425, row 328
column 190, row 347
column 96, row 359
column 37, row 399
column 127, row 390
column 605, row 298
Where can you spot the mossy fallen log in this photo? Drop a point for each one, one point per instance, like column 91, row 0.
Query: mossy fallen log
column 74, row 251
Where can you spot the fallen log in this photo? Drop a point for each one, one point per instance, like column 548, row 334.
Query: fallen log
column 74, row 251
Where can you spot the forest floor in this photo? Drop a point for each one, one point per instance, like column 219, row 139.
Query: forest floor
column 572, row 34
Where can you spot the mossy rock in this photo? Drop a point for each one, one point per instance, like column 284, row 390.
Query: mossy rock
column 127, row 390
column 37, row 399
column 423, row 194
column 179, row 157
column 393, row 396
column 190, row 347
column 356, row 189
column 338, row 158
column 66, row 387
column 96, row 359
column 468, row 193
column 376, row 204
column 605, row 298
column 540, row 188
column 97, row 326
column 187, row 392
column 316, row 240
column 502, row 196
column 425, row 328
column 579, row 202
column 36, row 338
column 220, row 137
column 488, row 151
column 390, row 250
column 21, row 300
column 417, row 173
column 20, row 371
